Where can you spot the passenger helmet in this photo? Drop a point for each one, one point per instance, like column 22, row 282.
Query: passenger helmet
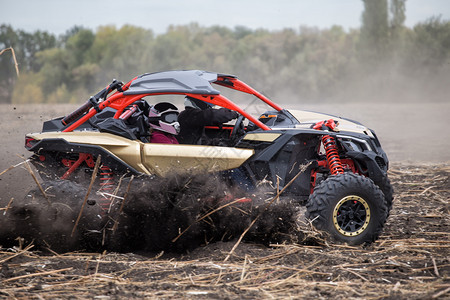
column 164, row 117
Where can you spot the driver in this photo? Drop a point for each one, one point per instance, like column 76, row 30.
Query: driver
column 196, row 116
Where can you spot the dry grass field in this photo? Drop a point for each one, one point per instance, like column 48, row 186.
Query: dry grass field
column 410, row 260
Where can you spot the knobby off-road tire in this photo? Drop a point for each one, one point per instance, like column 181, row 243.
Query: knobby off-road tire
column 350, row 207
column 388, row 192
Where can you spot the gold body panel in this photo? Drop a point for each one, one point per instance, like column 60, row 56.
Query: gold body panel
column 163, row 158
column 265, row 136
column 158, row 159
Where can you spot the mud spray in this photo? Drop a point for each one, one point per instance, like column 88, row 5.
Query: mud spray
column 173, row 214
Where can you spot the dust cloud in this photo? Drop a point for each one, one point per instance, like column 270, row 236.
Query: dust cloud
column 175, row 214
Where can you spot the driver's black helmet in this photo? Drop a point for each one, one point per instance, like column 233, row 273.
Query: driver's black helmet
column 196, row 103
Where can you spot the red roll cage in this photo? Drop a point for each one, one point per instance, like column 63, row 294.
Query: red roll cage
column 120, row 101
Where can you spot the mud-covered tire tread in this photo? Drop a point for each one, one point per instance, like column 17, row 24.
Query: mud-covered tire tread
column 325, row 196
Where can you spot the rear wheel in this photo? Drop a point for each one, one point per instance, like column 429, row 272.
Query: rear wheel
column 49, row 221
column 350, row 207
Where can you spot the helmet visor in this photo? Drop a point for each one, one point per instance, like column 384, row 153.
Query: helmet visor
column 169, row 117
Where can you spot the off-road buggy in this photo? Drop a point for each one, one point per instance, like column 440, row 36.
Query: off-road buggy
column 334, row 166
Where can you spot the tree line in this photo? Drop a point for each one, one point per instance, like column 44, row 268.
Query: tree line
column 381, row 59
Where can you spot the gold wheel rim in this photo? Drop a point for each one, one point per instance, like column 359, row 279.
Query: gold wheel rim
column 351, row 216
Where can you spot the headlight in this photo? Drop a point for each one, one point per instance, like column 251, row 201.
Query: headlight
column 354, row 144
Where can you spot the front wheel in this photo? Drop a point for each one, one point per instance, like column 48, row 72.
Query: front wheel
column 350, row 207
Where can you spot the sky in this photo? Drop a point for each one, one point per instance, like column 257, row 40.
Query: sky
column 57, row 16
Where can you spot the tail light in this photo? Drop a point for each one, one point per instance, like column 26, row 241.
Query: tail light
column 30, row 142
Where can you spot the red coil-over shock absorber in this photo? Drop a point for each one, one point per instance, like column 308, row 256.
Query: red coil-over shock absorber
column 106, row 186
column 329, row 143
column 334, row 162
